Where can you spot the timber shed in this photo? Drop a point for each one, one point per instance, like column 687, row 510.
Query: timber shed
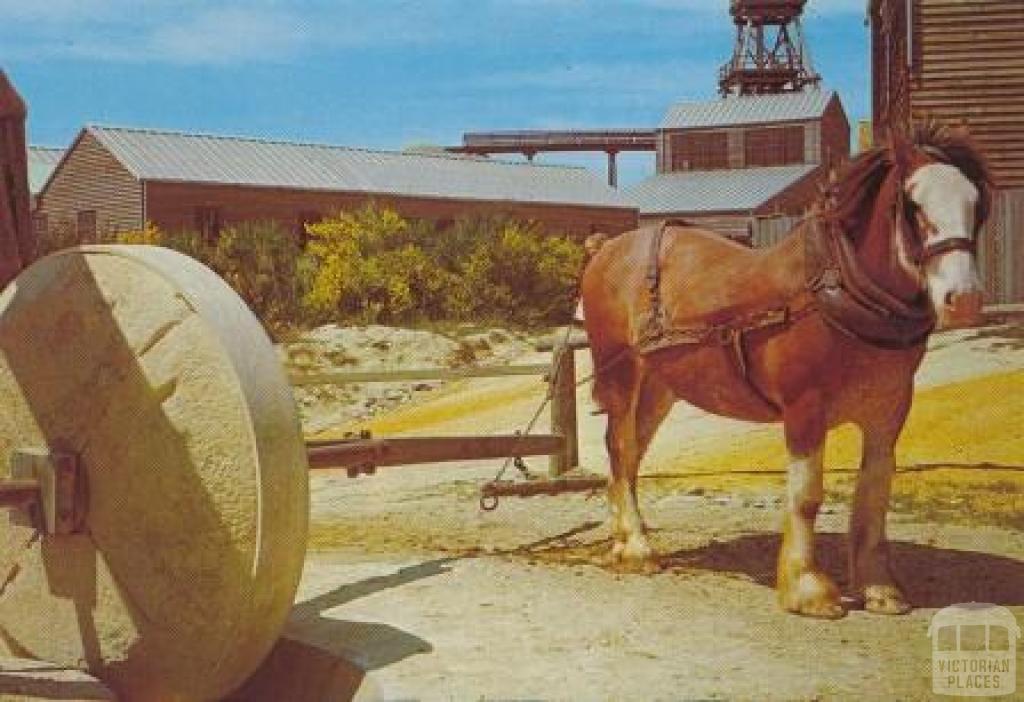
column 725, row 163
column 962, row 62
column 116, row 179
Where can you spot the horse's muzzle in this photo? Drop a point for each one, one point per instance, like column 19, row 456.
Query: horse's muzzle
column 961, row 310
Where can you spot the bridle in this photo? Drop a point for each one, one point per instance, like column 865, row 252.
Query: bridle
column 924, row 228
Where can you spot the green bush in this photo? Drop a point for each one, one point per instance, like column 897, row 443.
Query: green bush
column 372, row 265
column 516, row 271
column 259, row 259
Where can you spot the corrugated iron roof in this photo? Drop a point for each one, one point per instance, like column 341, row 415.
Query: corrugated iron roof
column 714, row 191
column 41, row 162
column 200, row 158
column 748, row 109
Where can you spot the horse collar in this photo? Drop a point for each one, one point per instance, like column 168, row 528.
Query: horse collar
column 849, row 300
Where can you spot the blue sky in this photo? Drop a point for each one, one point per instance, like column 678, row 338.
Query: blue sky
column 388, row 73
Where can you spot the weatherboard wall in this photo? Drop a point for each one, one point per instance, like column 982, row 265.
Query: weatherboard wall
column 172, row 206
column 959, row 61
column 824, row 141
column 89, row 178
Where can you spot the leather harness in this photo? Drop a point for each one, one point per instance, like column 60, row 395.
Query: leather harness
column 835, row 287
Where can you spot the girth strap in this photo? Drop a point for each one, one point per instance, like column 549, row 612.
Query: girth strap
column 656, row 336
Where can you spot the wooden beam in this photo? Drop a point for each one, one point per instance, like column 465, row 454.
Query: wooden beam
column 534, row 488
column 14, row 493
column 397, row 451
column 392, row 376
column 576, row 342
column 563, row 411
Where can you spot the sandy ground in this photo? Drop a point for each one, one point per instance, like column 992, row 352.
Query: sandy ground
column 438, row 600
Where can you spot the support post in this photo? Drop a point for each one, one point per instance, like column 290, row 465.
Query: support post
column 613, row 169
column 563, row 411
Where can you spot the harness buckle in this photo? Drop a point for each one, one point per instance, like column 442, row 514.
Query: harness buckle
column 830, row 278
column 723, row 335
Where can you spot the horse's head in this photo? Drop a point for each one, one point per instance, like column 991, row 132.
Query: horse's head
column 945, row 196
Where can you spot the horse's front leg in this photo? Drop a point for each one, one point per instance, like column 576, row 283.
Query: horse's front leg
column 803, row 588
column 870, row 574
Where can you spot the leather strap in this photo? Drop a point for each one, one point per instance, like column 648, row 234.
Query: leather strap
column 853, row 303
column 944, row 246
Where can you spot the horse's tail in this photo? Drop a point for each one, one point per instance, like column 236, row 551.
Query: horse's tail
column 593, row 243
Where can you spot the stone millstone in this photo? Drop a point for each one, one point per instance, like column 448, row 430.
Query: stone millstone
column 146, row 365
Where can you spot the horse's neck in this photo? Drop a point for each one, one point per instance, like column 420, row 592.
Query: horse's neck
column 877, row 251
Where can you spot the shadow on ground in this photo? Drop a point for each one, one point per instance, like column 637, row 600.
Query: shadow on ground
column 320, row 658
column 933, row 577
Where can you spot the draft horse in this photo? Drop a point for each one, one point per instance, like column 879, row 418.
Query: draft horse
column 826, row 328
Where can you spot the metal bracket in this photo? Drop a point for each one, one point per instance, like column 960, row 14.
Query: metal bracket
column 47, row 486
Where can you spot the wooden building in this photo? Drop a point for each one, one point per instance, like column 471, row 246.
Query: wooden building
column 962, row 62
column 725, row 163
column 115, row 179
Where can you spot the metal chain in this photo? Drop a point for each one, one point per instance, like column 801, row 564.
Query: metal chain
column 489, row 504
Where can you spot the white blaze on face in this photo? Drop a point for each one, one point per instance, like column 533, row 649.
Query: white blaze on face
column 949, row 201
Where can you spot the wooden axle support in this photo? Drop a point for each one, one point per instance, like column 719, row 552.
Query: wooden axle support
column 364, row 455
column 45, row 488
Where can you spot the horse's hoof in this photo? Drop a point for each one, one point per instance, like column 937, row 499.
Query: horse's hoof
column 634, row 566
column 822, row 610
column 813, row 595
column 633, row 558
column 885, row 599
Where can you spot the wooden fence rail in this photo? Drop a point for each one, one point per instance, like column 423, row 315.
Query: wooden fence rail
column 561, row 444
column 393, row 376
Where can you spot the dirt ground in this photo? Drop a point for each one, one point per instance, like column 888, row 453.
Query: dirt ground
column 436, row 599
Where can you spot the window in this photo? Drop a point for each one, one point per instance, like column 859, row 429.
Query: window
column 774, row 146
column 86, row 226
column 208, row 223
column 700, row 151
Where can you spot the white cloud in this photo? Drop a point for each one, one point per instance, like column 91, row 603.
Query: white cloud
column 227, row 36
column 235, row 31
column 210, row 32
column 623, row 77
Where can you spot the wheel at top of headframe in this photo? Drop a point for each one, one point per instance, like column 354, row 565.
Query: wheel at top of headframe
column 187, row 529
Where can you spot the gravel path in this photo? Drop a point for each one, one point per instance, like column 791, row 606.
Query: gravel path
column 437, row 600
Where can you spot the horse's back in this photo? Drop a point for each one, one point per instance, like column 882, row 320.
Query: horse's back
column 701, row 276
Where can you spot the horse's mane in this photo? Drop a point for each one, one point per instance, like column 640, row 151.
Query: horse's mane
column 849, row 199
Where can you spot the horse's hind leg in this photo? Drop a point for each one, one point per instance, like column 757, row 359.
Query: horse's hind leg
column 803, row 587
column 618, row 392
column 870, row 574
